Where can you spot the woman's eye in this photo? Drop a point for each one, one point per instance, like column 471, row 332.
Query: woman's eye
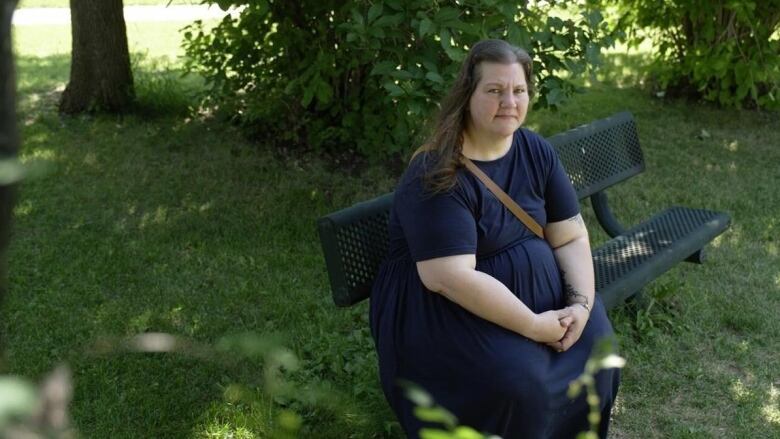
column 494, row 90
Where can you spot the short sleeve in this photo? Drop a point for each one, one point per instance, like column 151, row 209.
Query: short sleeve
column 560, row 197
column 434, row 225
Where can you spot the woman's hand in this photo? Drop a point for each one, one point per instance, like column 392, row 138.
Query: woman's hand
column 550, row 326
column 577, row 319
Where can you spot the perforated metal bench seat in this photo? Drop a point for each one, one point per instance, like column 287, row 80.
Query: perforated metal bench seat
column 595, row 156
column 628, row 262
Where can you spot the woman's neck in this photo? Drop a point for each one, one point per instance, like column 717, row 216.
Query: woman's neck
column 483, row 149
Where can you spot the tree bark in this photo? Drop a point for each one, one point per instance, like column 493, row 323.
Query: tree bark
column 9, row 137
column 100, row 74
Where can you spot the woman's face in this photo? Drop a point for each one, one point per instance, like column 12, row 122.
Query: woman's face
column 499, row 103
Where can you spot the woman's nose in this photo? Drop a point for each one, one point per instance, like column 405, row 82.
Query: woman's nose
column 508, row 100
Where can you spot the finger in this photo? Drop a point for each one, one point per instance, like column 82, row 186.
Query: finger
column 567, row 321
column 567, row 341
column 556, row 345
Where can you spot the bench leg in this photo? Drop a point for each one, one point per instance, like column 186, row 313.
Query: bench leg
column 639, row 300
column 696, row 258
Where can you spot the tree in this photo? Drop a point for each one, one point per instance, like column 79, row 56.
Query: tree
column 9, row 138
column 366, row 76
column 722, row 51
column 100, row 74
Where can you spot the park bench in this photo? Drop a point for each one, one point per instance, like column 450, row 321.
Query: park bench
column 596, row 156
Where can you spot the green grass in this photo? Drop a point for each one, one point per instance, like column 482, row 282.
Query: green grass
column 175, row 224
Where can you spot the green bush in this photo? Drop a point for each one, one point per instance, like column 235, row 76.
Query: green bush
column 724, row 51
column 365, row 76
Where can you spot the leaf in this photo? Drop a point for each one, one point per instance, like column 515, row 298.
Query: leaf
column 430, row 433
column 18, row 398
column 415, row 393
column 465, row 432
column 394, row 4
column 434, row 77
column 446, row 14
column 436, row 414
column 308, row 95
column 224, row 4
column 594, row 18
column 593, row 54
column 324, row 92
column 554, row 97
column 358, row 17
column 559, row 42
column 401, row 74
column 426, row 27
column 612, row 361
column 383, row 68
column 394, row 89
column 430, row 66
column 389, row 20
column 377, row 32
column 509, row 9
column 374, row 11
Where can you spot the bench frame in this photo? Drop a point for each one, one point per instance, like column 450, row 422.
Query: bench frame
column 596, row 156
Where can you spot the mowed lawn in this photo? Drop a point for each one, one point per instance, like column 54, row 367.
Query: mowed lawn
column 166, row 221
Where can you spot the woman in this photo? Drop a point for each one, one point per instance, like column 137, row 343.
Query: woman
column 491, row 320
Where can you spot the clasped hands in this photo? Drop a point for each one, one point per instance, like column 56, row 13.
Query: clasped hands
column 561, row 328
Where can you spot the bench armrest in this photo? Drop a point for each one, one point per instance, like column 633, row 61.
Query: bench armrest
column 607, row 220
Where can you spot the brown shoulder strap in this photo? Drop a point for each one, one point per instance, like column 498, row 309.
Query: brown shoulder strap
column 510, row 204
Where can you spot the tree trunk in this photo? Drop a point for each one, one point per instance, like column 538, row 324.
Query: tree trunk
column 100, row 75
column 9, row 138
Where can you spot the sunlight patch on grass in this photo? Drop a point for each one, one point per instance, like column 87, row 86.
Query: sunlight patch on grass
column 158, row 217
column 38, row 154
column 23, row 208
column 739, row 391
column 227, row 431
column 771, row 410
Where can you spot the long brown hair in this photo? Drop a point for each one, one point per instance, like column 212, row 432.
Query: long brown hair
column 446, row 140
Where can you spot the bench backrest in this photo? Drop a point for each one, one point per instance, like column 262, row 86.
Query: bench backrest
column 354, row 240
column 600, row 154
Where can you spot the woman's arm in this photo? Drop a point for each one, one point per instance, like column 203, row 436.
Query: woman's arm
column 456, row 278
column 571, row 246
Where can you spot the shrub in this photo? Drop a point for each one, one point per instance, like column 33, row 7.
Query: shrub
column 724, row 51
column 364, row 75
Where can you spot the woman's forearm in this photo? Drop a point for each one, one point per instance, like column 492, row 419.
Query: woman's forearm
column 576, row 265
column 488, row 298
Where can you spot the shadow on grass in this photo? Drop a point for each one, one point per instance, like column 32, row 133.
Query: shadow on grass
column 161, row 90
column 175, row 225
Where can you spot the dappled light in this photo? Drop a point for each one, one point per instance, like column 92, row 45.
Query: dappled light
column 622, row 68
column 771, row 409
column 39, row 154
column 23, row 208
column 739, row 391
column 166, row 224
column 634, row 249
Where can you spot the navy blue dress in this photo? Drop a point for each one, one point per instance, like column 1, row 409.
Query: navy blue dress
column 492, row 379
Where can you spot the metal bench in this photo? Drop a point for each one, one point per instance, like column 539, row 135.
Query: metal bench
column 596, row 156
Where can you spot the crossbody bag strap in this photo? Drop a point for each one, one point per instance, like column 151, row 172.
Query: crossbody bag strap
column 510, row 204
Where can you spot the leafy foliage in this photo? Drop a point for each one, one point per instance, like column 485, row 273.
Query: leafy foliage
column 366, row 75
column 724, row 51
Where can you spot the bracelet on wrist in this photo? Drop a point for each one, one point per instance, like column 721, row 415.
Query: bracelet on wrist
column 584, row 305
